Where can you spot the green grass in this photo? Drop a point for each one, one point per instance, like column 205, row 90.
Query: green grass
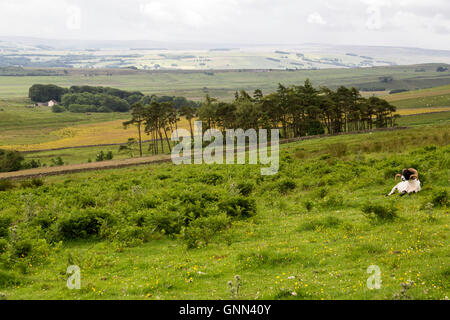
column 320, row 251
column 423, row 102
column 425, row 119
column 82, row 155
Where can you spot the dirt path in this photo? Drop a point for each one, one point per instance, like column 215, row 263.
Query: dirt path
column 114, row 164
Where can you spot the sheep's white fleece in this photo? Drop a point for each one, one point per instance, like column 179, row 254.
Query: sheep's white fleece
column 408, row 186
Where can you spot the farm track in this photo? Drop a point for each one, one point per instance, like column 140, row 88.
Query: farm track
column 115, row 164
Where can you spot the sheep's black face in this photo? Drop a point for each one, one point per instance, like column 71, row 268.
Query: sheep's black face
column 406, row 174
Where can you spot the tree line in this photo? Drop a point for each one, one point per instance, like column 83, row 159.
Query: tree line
column 299, row 111
column 81, row 99
column 296, row 110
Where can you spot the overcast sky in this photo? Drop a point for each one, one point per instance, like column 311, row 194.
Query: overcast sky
column 413, row 23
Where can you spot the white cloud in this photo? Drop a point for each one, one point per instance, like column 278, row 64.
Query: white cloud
column 377, row 22
column 316, row 18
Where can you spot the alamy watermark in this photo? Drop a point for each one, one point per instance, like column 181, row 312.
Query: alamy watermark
column 374, row 281
column 228, row 147
column 74, row 281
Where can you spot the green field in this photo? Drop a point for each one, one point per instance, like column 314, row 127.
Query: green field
column 223, row 84
column 20, row 124
column 426, row 101
column 171, row 232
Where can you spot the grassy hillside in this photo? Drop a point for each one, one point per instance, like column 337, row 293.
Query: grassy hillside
column 170, row 232
column 425, row 98
column 22, row 125
column 73, row 156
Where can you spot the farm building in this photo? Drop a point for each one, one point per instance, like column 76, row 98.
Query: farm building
column 50, row 103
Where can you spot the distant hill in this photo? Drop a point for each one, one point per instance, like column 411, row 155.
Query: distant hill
column 157, row 55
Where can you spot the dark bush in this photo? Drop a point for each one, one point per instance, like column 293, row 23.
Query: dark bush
column 211, row 179
column 286, row 185
column 238, row 206
column 58, row 109
column 440, row 199
column 167, row 221
column 10, row 161
column 5, row 223
column 309, row 205
column 3, row 245
column 33, row 183
column 8, row 279
column 245, row 188
column 22, row 248
column 200, row 231
column 102, row 156
column 6, row 185
column 379, row 212
column 81, row 224
column 31, row 164
column 43, row 93
column 57, row 162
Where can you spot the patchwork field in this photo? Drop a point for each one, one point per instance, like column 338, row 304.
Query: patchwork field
column 223, row 84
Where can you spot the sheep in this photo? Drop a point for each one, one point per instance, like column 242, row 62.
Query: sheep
column 410, row 182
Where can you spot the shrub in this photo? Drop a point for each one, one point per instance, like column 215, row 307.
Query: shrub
column 57, row 162
column 31, row 164
column 5, row 223
column 379, row 212
column 200, row 231
column 245, row 188
column 22, row 248
column 130, row 236
column 212, row 179
column 3, row 245
column 338, row 149
column 58, row 109
column 440, row 199
column 239, row 206
column 322, row 192
column 6, row 185
column 81, row 224
column 10, row 161
column 163, row 176
column 328, row 222
column 308, row 205
column 286, row 185
column 8, row 279
column 334, row 201
column 100, row 156
column 44, row 219
column 167, row 221
column 33, row 183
